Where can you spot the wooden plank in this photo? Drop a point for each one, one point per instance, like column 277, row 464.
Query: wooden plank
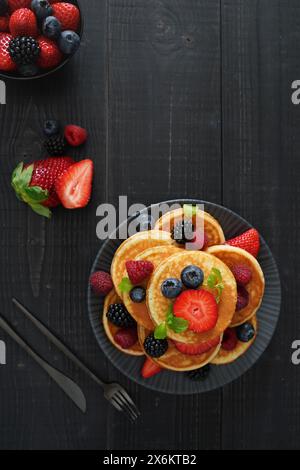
column 46, row 263
column 164, row 142
column 260, row 51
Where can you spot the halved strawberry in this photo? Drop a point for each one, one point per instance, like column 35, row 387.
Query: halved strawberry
column 195, row 349
column 74, row 187
column 199, row 308
column 150, row 368
column 248, row 241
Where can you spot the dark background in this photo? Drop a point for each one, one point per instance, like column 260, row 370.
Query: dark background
column 182, row 98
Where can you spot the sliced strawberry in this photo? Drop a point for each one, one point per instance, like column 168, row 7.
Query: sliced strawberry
column 126, row 337
column 195, row 349
column 199, row 308
column 75, row 135
column 74, row 187
column 150, row 368
column 230, row 340
column 248, row 241
column 138, row 271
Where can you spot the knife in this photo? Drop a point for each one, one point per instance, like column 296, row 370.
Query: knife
column 71, row 389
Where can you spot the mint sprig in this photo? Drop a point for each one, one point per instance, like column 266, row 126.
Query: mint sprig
column 176, row 324
column 189, row 210
column 215, row 282
column 125, row 285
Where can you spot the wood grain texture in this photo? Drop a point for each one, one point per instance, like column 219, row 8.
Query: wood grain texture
column 182, row 98
column 260, row 144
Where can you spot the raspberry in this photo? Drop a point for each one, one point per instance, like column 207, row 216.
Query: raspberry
column 138, row 271
column 230, row 340
column 101, row 283
column 242, row 298
column 242, row 274
column 126, row 337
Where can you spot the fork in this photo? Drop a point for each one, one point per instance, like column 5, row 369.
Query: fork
column 113, row 392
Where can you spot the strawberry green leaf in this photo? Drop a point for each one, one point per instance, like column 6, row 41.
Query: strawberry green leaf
column 179, row 325
column 160, row 331
column 35, row 194
column 41, row 210
column 189, row 210
column 125, row 285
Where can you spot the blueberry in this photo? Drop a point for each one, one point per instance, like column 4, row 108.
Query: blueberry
column 41, row 8
column 138, row 294
column 51, row 27
column 69, row 42
column 192, row 277
column 171, row 288
column 245, row 332
column 28, row 70
column 3, row 7
column 51, row 127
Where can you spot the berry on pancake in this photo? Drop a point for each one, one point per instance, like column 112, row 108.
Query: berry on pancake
column 242, row 274
column 192, row 277
column 126, row 337
column 245, row 332
column 138, row 271
column 119, row 316
column 242, row 298
column 230, row 340
column 171, row 288
column 248, row 241
column 195, row 349
column 183, row 232
column 199, row 308
column 155, row 347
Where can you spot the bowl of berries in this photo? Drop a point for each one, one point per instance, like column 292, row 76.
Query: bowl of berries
column 37, row 37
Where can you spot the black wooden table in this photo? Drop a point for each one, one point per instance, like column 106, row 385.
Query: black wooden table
column 182, row 98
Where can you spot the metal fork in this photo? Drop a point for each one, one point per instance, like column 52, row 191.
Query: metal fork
column 114, row 393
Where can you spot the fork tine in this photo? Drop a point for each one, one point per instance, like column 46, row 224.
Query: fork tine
column 130, row 402
column 123, row 404
column 132, row 409
column 115, row 404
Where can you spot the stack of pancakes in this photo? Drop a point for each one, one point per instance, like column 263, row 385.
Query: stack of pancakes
column 169, row 259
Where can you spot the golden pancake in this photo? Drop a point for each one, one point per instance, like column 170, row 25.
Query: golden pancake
column 132, row 247
column 111, row 330
column 212, row 228
column 175, row 360
column 232, row 256
column 158, row 304
column 139, row 311
column 225, row 357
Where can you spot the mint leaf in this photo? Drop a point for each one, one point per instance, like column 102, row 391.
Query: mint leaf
column 41, row 210
column 215, row 281
column 160, row 331
column 125, row 285
column 179, row 325
column 211, row 281
column 189, row 210
column 217, row 273
column 170, row 315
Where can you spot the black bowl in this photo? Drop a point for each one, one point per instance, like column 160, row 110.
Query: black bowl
column 46, row 73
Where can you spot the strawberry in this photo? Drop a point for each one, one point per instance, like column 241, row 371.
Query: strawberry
column 126, row 337
column 248, row 241
column 74, row 187
column 75, row 135
column 4, row 23
column 199, row 308
column 67, row 14
column 138, row 271
column 23, row 23
column 101, row 283
column 230, row 340
column 16, row 4
column 50, row 55
column 6, row 62
column 150, row 368
column 242, row 274
column 34, row 183
column 195, row 349
column 242, row 298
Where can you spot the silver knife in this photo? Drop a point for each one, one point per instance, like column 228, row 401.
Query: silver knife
column 71, row 389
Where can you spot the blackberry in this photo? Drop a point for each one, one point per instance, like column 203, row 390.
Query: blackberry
column 199, row 374
column 119, row 316
column 155, row 347
column 55, row 145
column 183, row 232
column 24, row 50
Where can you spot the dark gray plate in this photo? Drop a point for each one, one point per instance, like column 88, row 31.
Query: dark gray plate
column 179, row 383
